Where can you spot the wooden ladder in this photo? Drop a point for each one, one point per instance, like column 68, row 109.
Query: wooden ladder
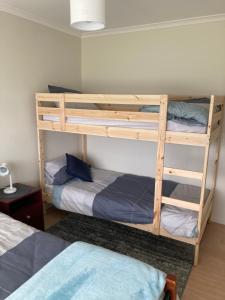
column 200, row 176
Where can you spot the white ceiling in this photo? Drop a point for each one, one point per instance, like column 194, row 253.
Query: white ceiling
column 119, row 13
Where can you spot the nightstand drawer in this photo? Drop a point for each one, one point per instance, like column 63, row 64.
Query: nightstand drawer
column 31, row 214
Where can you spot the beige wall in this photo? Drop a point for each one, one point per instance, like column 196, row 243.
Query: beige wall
column 181, row 60
column 31, row 57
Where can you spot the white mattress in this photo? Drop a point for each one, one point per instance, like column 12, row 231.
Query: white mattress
column 172, row 125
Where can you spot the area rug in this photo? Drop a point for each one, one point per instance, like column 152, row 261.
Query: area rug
column 165, row 254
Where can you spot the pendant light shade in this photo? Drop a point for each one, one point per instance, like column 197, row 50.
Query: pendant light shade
column 87, row 15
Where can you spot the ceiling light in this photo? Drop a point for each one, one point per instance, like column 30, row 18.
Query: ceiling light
column 87, row 15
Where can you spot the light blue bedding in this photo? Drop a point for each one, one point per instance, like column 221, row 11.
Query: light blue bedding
column 88, row 272
column 182, row 110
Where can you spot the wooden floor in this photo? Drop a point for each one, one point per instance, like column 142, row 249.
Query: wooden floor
column 207, row 280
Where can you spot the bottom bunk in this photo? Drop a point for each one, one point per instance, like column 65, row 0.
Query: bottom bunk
column 123, row 198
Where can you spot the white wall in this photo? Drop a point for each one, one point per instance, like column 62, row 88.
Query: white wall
column 31, row 57
column 187, row 60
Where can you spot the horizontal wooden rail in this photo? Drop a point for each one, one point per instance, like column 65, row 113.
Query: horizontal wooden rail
column 47, row 97
column 181, row 203
column 114, row 99
column 50, row 111
column 49, row 125
column 182, row 98
column 128, row 133
column 183, row 173
column 192, row 241
column 114, row 115
column 186, row 138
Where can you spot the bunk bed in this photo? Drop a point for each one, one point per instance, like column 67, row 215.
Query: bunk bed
column 122, row 116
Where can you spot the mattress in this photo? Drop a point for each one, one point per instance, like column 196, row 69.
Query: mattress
column 79, row 196
column 180, row 125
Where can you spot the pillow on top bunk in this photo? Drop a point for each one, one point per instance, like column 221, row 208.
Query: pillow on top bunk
column 182, row 110
column 55, row 172
column 60, row 90
column 78, row 168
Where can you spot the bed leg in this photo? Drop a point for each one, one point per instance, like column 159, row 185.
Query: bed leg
column 196, row 254
column 171, row 287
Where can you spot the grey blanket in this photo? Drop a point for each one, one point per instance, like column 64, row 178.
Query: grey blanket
column 20, row 263
column 130, row 198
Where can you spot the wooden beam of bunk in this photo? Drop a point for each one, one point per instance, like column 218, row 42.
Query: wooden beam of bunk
column 160, row 163
column 101, row 114
column 183, row 173
column 84, row 147
column 165, row 233
column 186, row 138
column 50, row 111
column 49, row 97
column 113, row 99
column 181, row 203
column 113, row 115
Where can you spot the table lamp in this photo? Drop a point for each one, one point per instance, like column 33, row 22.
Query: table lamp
column 5, row 171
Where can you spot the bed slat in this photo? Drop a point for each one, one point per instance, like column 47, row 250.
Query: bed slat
column 183, row 173
column 181, row 203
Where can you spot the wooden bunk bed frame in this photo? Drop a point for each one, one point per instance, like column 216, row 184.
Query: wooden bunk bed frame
column 120, row 107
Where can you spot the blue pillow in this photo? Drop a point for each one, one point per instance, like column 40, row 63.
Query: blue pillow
column 182, row 110
column 78, row 168
column 62, row 177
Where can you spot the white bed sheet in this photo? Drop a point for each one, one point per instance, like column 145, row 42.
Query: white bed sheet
column 181, row 126
column 12, row 232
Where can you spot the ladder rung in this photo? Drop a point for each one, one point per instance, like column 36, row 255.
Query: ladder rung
column 183, row 173
column 181, row 203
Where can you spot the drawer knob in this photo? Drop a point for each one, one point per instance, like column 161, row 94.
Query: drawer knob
column 28, row 217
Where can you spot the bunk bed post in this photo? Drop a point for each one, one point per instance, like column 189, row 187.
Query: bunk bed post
column 204, row 177
column 84, row 147
column 218, row 153
column 160, row 162
column 41, row 161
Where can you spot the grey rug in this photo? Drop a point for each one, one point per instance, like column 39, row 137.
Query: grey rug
column 165, row 254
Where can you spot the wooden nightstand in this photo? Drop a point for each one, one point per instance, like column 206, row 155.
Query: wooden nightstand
column 25, row 205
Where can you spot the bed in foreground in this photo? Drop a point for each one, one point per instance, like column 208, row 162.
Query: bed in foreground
column 25, row 254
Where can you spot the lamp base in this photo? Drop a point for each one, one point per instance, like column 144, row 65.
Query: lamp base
column 9, row 190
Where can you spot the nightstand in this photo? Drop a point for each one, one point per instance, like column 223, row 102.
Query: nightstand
column 25, row 205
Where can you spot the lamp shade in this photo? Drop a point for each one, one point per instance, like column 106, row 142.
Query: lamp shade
column 4, row 170
column 87, row 15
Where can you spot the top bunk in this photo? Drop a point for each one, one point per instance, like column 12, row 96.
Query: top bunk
column 176, row 120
